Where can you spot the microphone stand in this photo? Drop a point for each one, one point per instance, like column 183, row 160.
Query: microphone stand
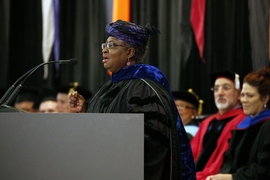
column 13, row 90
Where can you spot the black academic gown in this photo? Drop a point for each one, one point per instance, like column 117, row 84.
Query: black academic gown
column 134, row 96
column 248, row 156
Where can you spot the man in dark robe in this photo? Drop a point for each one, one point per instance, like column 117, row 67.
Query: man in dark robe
column 211, row 140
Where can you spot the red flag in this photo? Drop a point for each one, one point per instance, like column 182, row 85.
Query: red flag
column 197, row 17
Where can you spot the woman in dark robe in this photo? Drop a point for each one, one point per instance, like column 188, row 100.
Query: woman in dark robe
column 248, row 155
column 139, row 88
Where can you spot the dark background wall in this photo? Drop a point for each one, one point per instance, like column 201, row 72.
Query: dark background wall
column 230, row 26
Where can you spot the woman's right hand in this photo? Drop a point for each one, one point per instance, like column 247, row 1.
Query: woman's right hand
column 220, row 177
column 76, row 102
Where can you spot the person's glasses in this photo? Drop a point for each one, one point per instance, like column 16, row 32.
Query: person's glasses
column 184, row 106
column 109, row 45
column 225, row 87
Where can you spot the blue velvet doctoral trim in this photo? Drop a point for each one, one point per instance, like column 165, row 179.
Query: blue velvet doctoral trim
column 138, row 71
column 251, row 121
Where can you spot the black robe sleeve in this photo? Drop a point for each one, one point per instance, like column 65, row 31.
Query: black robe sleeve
column 160, row 134
column 259, row 162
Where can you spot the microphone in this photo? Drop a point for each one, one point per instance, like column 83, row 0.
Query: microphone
column 16, row 87
column 70, row 61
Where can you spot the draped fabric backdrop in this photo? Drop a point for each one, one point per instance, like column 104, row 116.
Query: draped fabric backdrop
column 229, row 28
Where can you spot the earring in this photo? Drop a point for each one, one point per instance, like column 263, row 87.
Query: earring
column 264, row 106
column 128, row 63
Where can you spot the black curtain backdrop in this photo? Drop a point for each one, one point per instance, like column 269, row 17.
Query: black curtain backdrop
column 82, row 24
column 259, row 32
column 4, row 43
column 227, row 47
column 24, row 41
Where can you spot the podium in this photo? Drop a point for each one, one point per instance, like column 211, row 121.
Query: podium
column 71, row 146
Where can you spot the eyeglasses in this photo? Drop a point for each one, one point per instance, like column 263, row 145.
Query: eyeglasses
column 184, row 106
column 225, row 87
column 109, row 45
